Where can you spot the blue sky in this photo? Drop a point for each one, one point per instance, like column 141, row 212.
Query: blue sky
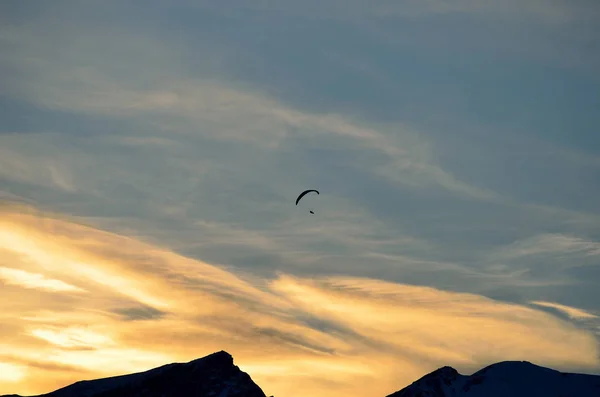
column 455, row 144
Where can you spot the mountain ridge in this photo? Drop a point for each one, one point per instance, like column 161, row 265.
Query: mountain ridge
column 505, row 378
column 216, row 375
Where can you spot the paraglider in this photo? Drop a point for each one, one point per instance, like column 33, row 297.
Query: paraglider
column 304, row 193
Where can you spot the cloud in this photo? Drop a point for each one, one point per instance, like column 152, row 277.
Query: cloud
column 170, row 150
column 207, row 165
column 161, row 105
column 356, row 330
column 550, row 244
column 572, row 312
column 72, row 338
column 555, row 12
column 42, row 170
column 11, row 373
column 31, row 280
column 538, row 10
column 140, row 313
column 169, row 138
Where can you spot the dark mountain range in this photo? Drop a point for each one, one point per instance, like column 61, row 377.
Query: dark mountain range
column 217, row 376
column 212, row 376
column 504, row 379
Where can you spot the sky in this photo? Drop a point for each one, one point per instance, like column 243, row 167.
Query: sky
column 151, row 154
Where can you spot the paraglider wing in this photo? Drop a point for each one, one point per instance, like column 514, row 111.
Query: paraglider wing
column 304, row 193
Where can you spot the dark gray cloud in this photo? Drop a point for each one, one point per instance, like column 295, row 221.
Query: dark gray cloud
column 140, row 313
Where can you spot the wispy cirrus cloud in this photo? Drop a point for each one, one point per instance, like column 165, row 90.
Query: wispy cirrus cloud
column 34, row 280
column 550, row 244
column 572, row 312
column 435, row 131
column 73, row 338
column 286, row 321
column 161, row 101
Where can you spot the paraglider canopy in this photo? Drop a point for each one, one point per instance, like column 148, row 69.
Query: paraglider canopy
column 305, row 193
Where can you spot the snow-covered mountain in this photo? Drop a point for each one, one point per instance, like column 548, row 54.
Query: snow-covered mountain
column 504, row 379
column 211, row 376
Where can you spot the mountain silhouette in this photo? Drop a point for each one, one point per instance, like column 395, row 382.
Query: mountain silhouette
column 212, row 376
column 504, row 379
column 216, row 376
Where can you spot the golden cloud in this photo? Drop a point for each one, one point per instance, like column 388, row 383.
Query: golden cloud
column 32, row 280
column 143, row 306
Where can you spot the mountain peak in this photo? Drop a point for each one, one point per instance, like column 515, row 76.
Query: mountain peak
column 216, row 375
column 212, row 376
column 445, row 372
column 506, row 378
column 219, row 359
column 433, row 383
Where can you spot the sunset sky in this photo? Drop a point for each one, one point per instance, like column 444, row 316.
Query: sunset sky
column 151, row 153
